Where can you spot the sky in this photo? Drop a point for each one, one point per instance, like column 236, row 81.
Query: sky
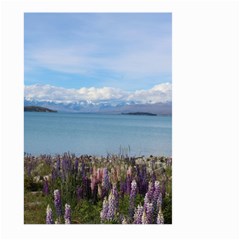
column 97, row 55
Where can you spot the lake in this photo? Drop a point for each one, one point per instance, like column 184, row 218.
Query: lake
column 97, row 134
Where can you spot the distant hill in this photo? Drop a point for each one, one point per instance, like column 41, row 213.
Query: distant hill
column 37, row 109
column 140, row 113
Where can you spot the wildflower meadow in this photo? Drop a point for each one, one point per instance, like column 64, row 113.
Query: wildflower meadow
column 66, row 189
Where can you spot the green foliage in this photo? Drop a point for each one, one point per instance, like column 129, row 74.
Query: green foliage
column 167, row 209
column 87, row 212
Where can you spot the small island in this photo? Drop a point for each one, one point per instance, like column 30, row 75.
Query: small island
column 37, row 109
column 140, row 113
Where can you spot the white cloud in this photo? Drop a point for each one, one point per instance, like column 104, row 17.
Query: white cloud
column 159, row 93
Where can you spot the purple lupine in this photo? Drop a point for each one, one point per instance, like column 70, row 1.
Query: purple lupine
column 49, row 216
column 149, row 213
column 104, row 212
column 67, row 215
column 157, row 191
column 111, row 207
column 156, row 200
column 138, row 215
column 160, row 218
column 57, row 202
column 45, row 187
column 150, row 191
column 146, row 201
column 132, row 198
column 159, row 201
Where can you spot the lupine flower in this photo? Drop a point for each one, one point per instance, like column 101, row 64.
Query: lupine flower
column 106, row 180
column 67, row 215
column 138, row 215
column 160, row 218
column 132, row 198
column 149, row 212
column 157, row 191
column 156, row 200
column 146, row 201
column 111, row 207
column 57, row 202
column 159, row 201
column 150, row 191
column 49, row 217
column 144, row 217
column 104, row 212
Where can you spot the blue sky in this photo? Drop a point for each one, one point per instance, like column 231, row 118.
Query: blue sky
column 127, row 51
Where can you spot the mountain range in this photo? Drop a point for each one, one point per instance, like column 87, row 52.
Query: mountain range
column 111, row 107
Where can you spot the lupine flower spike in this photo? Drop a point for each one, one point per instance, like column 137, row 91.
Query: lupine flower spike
column 57, row 202
column 67, row 215
column 49, row 217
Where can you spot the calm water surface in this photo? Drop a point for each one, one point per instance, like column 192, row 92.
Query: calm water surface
column 97, row 134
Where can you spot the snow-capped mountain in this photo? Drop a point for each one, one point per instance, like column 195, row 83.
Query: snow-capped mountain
column 103, row 106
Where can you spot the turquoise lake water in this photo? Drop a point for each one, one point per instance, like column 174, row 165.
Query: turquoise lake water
column 97, row 134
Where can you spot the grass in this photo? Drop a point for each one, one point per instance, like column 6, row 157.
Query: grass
column 35, row 204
